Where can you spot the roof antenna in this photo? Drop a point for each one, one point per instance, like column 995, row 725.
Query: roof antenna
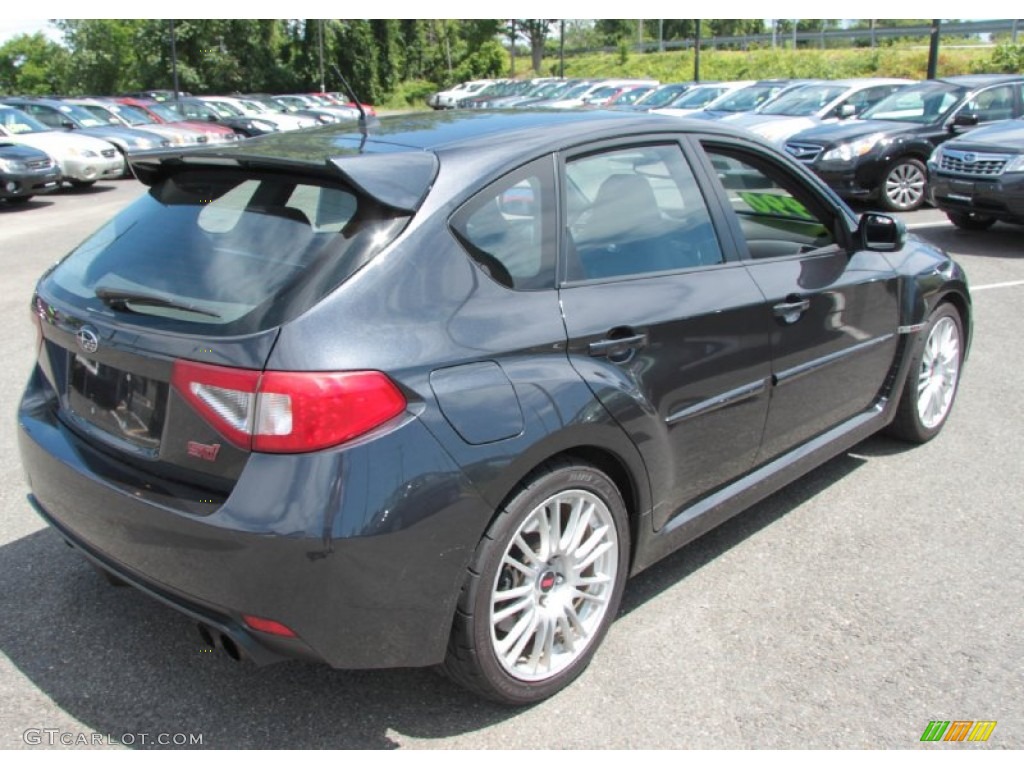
column 365, row 122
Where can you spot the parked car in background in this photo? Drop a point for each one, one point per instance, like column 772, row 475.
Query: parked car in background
column 532, row 90
column 748, row 99
column 25, row 172
column 626, row 97
column 132, row 117
column 213, row 132
column 198, row 110
column 575, row 97
column 605, row 97
column 430, row 395
column 63, row 116
column 661, row 96
column 281, row 121
column 83, row 160
column 302, row 102
column 449, row 99
column 266, row 104
column 824, row 103
column 340, row 99
column 977, row 178
column 881, row 156
column 699, row 96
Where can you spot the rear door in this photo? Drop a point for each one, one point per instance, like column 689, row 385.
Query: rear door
column 662, row 324
column 832, row 308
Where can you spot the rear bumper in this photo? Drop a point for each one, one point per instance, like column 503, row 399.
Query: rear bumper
column 366, row 576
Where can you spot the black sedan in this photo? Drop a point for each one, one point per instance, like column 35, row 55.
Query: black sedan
column 978, row 178
column 881, row 156
column 428, row 395
column 26, row 172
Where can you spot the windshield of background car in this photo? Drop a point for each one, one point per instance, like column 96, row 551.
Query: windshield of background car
column 82, row 116
column 102, row 113
column 744, row 99
column 15, row 122
column 662, row 96
column 164, row 113
column 804, row 101
column 924, row 103
column 695, row 98
column 244, row 251
column 575, row 93
column 224, row 109
column 133, row 115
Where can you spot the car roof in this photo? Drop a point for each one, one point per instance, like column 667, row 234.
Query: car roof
column 976, row 81
column 494, row 139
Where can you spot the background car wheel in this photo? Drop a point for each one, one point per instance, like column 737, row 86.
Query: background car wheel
column 970, row 220
column 904, row 186
column 544, row 585
column 933, row 379
column 18, row 200
column 78, row 184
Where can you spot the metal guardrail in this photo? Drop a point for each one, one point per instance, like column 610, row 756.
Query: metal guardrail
column 991, row 26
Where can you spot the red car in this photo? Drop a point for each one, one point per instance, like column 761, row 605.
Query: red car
column 163, row 113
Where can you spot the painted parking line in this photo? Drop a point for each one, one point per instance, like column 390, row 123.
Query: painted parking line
column 1009, row 284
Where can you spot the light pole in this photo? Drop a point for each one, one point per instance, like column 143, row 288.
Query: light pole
column 174, row 65
column 320, row 34
column 933, row 49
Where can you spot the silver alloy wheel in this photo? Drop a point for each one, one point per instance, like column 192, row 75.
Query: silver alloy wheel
column 551, row 592
column 904, row 186
column 940, row 370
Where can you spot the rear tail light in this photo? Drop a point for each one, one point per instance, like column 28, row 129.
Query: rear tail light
column 269, row 626
column 284, row 411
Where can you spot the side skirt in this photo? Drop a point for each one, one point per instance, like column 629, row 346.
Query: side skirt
column 715, row 509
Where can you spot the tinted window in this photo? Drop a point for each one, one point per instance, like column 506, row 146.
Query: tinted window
column 992, row 104
column 14, row 121
column 509, row 229
column 244, row 250
column 633, row 211
column 804, row 101
column 924, row 103
column 777, row 215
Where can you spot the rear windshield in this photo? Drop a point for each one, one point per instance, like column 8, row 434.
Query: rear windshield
column 224, row 252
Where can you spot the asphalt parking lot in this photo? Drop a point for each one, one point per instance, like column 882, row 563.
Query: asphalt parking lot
column 880, row 592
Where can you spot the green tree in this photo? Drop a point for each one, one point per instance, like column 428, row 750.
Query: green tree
column 32, row 64
column 536, row 32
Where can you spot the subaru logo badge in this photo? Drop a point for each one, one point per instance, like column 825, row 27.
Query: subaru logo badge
column 970, row 157
column 88, row 339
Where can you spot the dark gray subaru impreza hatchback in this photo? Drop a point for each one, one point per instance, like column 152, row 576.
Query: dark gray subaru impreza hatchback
column 427, row 395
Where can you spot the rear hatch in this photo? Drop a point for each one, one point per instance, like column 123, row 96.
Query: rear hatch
column 156, row 330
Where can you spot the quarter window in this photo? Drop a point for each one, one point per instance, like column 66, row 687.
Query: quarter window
column 992, row 104
column 635, row 211
column 508, row 229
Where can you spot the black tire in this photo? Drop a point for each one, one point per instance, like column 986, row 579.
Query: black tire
column 549, row 590
column 970, row 220
column 78, row 184
column 18, row 200
column 904, row 186
column 916, row 421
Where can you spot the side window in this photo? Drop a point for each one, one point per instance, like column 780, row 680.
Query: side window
column 634, row 211
column 993, row 104
column 777, row 216
column 47, row 117
column 508, row 229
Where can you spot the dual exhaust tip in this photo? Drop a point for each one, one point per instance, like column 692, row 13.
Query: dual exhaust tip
column 214, row 639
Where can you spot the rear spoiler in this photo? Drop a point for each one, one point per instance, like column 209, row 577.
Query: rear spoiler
column 399, row 180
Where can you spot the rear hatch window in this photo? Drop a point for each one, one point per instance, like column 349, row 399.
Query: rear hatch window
column 220, row 252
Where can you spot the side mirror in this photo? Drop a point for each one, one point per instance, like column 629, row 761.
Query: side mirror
column 847, row 110
column 880, row 232
column 67, row 125
column 965, row 120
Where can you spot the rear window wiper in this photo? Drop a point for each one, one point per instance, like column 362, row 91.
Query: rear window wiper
column 120, row 299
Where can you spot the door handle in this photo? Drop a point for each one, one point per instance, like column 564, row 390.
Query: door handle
column 617, row 348
column 790, row 310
